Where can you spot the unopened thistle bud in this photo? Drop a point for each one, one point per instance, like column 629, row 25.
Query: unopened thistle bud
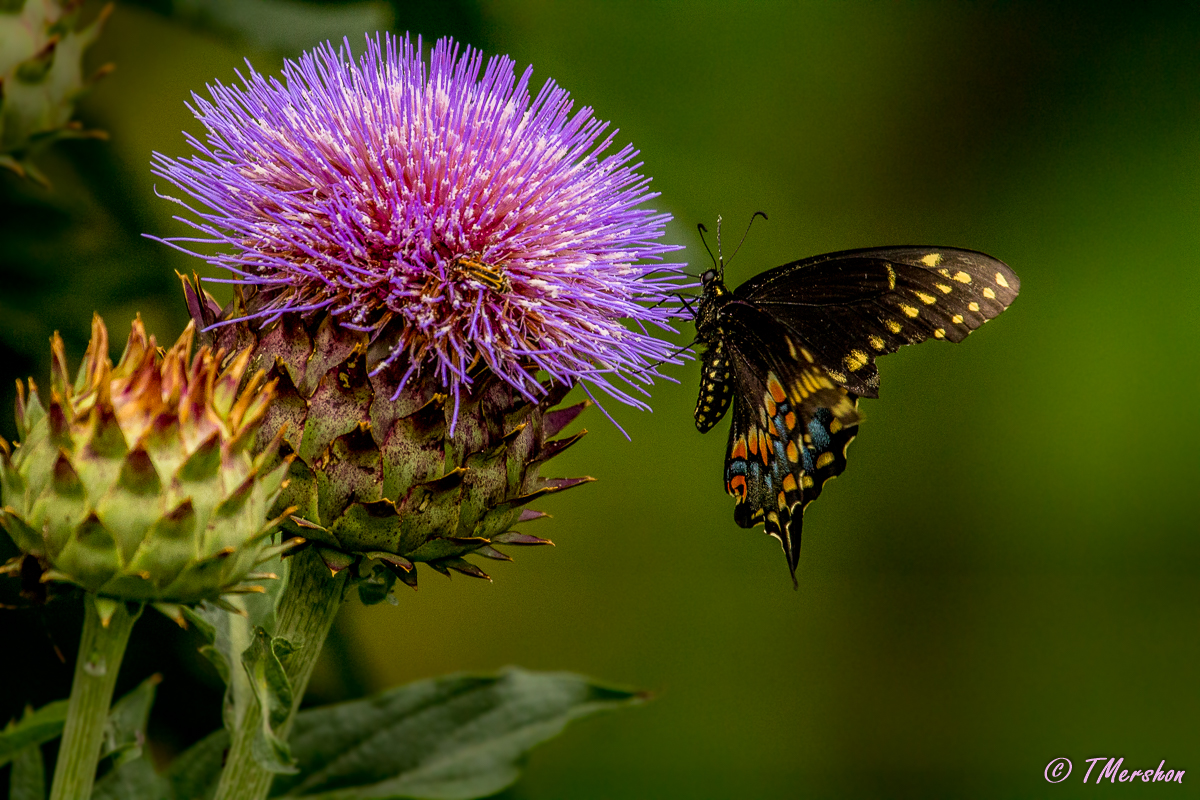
column 137, row 481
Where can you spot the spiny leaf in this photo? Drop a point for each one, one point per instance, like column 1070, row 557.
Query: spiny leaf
column 271, row 687
column 125, row 730
column 28, row 778
column 459, row 736
column 453, row 738
column 34, row 728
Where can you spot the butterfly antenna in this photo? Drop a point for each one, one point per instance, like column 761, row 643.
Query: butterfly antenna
column 703, row 230
column 762, row 214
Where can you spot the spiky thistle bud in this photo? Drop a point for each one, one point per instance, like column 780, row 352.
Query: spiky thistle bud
column 427, row 259
column 136, row 481
column 41, row 77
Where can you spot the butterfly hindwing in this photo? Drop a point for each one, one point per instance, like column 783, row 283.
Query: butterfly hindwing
column 781, row 453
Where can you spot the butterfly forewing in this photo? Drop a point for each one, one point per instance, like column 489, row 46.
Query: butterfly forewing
column 853, row 306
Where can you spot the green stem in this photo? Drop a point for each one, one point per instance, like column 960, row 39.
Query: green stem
column 304, row 615
column 101, row 648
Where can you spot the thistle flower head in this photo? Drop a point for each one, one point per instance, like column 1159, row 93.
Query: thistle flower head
column 439, row 207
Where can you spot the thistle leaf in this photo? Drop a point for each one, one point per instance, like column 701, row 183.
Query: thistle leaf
column 459, row 736
column 125, row 730
column 271, row 687
column 28, row 778
column 452, row 738
column 34, row 728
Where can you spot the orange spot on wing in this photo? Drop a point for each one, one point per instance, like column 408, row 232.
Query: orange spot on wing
column 739, row 448
column 789, row 483
column 763, row 447
column 737, row 487
column 754, row 442
column 790, row 421
column 776, row 388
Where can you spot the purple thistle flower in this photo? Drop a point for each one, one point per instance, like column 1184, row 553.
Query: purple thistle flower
column 439, row 208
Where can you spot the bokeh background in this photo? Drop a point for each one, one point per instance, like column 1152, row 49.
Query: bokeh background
column 1009, row 570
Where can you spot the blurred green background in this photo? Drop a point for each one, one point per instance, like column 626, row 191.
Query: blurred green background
column 1009, row 570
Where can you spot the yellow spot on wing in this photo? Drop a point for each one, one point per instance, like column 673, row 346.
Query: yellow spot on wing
column 855, row 360
column 837, row 376
column 957, row 319
column 944, row 288
column 876, row 342
column 892, row 325
column 988, row 293
column 1001, row 280
column 909, row 310
column 973, row 305
column 835, row 425
column 962, row 277
column 927, row 299
column 939, row 333
column 932, row 260
column 824, row 460
column 806, row 481
column 891, row 277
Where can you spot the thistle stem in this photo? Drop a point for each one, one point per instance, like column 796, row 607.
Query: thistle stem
column 101, row 648
column 305, row 612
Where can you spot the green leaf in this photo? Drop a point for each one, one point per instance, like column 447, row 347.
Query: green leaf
column 34, row 728
column 460, row 736
column 195, row 773
column 231, row 635
column 133, row 780
column 125, row 731
column 192, row 776
column 28, row 778
column 271, row 687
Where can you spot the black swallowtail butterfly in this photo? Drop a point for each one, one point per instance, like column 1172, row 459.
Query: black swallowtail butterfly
column 794, row 348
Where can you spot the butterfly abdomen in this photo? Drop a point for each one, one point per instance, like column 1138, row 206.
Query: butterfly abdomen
column 716, row 387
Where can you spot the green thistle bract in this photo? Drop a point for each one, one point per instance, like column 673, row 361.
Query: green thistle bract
column 381, row 478
column 137, row 481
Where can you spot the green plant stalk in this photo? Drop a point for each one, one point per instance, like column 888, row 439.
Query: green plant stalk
column 101, row 649
column 305, row 613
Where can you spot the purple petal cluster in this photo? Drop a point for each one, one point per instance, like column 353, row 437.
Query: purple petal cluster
column 441, row 206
